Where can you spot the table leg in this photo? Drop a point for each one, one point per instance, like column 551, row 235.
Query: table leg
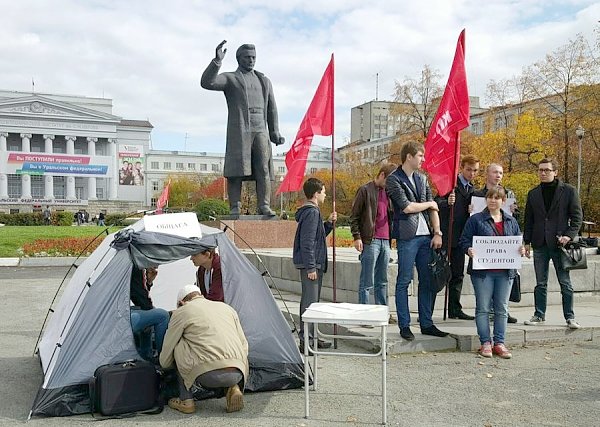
column 384, row 373
column 315, row 349
column 306, row 376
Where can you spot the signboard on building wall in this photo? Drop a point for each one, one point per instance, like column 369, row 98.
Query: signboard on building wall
column 131, row 165
column 42, row 201
column 40, row 163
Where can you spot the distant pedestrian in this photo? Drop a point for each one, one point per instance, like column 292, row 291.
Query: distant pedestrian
column 47, row 215
column 101, row 219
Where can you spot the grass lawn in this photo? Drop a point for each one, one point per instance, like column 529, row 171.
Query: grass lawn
column 12, row 238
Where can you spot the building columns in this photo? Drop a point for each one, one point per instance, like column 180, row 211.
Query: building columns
column 70, row 146
column 3, row 136
column 48, row 138
column 70, row 187
column 3, row 186
column 92, row 145
column 48, row 187
column 114, row 179
column 92, row 188
column 25, row 139
column 25, row 186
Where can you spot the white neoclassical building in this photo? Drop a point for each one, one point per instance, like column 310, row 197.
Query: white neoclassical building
column 68, row 151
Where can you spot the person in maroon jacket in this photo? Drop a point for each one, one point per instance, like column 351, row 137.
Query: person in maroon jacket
column 208, row 277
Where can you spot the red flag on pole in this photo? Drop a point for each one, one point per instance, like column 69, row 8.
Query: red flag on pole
column 163, row 200
column 318, row 120
column 442, row 146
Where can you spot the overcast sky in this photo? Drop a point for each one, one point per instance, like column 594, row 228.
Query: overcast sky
column 148, row 55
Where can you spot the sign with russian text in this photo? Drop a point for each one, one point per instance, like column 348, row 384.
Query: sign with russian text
column 184, row 224
column 41, row 201
column 496, row 252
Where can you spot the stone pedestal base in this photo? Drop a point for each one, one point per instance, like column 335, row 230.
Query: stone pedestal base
column 256, row 233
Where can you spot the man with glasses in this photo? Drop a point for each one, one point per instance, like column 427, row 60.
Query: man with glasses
column 553, row 218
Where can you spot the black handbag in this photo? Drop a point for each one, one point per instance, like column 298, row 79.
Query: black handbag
column 515, row 291
column 573, row 256
column 441, row 273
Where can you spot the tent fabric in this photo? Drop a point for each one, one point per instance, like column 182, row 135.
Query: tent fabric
column 90, row 326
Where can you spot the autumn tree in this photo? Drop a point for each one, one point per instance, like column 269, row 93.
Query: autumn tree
column 416, row 100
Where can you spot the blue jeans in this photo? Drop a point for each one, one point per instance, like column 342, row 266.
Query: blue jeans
column 374, row 261
column 410, row 252
column 493, row 287
column 141, row 319
column 541, row 264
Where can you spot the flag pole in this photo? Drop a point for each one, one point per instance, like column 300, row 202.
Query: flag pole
column 333, row 269
column 451, row 221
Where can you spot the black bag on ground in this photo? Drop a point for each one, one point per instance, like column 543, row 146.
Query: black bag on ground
column 515, row 291
column 441, row 273
column 126, row 387
column 573, row 256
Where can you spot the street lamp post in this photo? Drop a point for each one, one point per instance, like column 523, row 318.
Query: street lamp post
column 580, row 132
column 281, row 198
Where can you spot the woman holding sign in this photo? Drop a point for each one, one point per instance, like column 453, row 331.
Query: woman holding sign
column 492, row 285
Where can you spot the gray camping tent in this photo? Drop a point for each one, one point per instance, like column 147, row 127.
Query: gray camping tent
column 90, row 326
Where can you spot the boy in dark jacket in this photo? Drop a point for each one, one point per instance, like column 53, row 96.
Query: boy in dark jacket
column 310, row 249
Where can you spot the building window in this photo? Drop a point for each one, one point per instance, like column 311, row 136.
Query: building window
column 179, row 166
column 215, row 167
column 59, row 187
column 379, row 150
column 14, row 185
column 313, row 170
column 281, row 169
column 155, row 186
column 372, row 152
column 37, row 186
column 100, row 193
column 202, row 166
column 153, row 202
column 154, row 165
column 167, row 165
column 192, row 166
column 365, row 153
column 386, row 148
column 14, row 211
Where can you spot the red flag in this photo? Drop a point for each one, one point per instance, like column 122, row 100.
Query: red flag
column 318, row 120
column 163, row 200
column 442, row 147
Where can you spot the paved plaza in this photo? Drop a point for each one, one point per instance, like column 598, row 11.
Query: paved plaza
column 552, row 384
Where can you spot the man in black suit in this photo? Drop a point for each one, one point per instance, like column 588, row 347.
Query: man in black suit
column 459, row 201
column 553, row 218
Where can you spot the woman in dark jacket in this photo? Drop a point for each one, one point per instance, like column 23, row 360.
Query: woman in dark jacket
column 492, row 287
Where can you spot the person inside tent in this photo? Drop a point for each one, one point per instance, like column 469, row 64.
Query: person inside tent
column 208, row 276
column 206, row 342
column 144, row 316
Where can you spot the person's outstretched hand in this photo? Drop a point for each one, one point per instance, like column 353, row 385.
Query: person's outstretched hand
column 220, row 52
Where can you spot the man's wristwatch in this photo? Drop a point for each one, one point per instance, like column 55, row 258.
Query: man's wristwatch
column 437, row 233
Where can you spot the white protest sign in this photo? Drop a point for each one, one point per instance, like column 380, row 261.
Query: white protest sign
column 496, row 252
column 478, row 204
column 184, row 224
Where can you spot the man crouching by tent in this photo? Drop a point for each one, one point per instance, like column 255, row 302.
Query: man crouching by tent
column 206, row 342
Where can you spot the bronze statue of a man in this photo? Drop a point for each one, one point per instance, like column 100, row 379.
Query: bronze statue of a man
column 252, row 125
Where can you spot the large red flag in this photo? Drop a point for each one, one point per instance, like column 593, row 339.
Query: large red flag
column 318, row 120
column 442, row 147
column 163, row 200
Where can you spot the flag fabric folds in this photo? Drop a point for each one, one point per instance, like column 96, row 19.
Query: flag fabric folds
column 442, row 146
column 163, row 200
column 318, row 120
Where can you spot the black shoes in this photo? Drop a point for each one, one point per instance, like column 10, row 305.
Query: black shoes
column 433, row 331
column 320, row 344
column 511, row 319
column 407, row 334
column 461, row 316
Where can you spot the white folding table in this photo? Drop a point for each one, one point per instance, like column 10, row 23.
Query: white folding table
column 345, row 314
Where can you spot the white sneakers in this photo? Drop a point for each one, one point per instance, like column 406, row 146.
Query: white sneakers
column 573, row 324
column 536, row 320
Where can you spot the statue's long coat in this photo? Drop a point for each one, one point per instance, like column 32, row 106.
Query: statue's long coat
column 238, row 156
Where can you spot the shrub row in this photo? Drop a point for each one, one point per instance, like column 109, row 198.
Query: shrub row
column 36, row 218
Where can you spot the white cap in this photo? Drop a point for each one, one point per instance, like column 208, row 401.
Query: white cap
column 186, row 290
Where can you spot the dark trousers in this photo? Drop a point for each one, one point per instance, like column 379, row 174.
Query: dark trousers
column 311, row 292
column 457, row 262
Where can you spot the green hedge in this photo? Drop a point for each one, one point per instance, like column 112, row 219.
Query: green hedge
column 35, row 218
column 61, row 218
column 115, row 219
column 210, row 207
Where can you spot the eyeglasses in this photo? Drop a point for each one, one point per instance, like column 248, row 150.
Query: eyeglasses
column 545, row 170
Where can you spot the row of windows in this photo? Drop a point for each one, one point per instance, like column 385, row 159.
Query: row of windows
column 37, row 186
column 203, row 167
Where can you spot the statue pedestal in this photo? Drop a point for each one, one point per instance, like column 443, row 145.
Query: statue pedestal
column 271, row 232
